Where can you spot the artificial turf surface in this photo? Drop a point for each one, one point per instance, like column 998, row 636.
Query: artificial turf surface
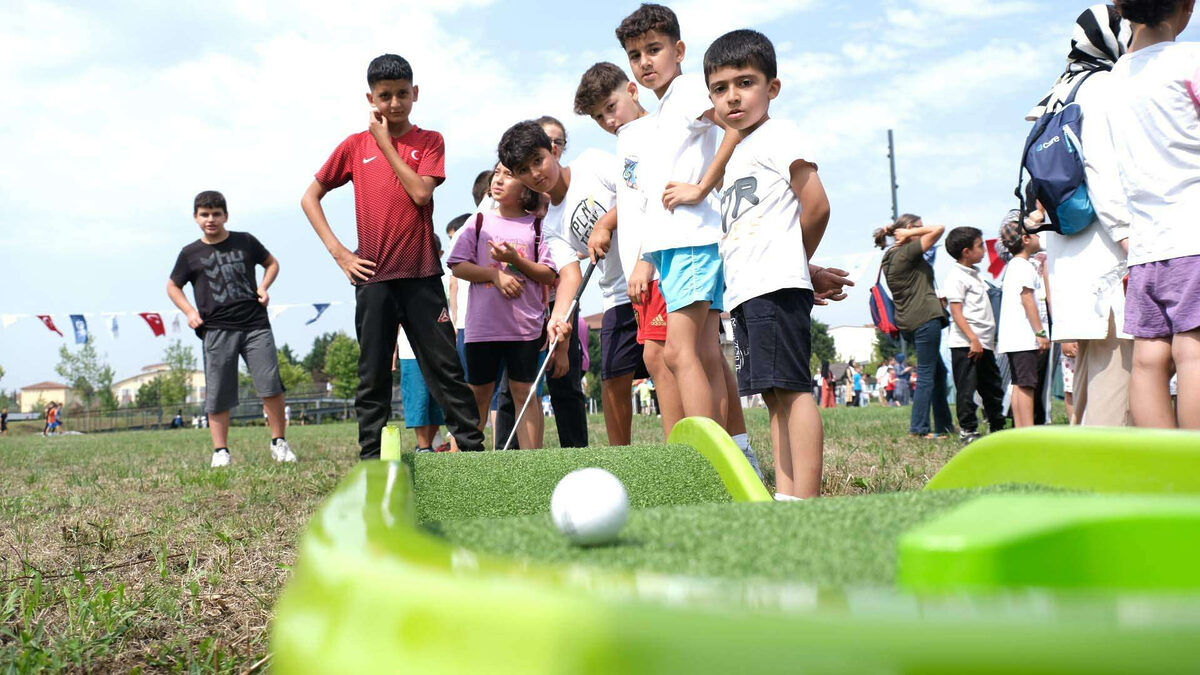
column 504, row 484
column 828, row 542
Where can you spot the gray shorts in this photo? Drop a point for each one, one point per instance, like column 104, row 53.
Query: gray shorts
column 222, row 348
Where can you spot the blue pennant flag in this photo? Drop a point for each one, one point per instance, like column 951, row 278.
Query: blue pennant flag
column 114, row 328
column 931, row 255
column 320, row 307
column 81, row 331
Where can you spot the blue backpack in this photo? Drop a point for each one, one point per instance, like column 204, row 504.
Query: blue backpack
column 1053, row 157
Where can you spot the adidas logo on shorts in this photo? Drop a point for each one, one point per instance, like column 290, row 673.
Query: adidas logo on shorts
column 658, row 320
column 444, row 317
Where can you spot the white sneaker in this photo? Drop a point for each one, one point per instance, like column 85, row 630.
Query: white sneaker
column 220, row 459
column 281, row 451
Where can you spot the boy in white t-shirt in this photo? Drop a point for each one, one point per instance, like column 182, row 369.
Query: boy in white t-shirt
column 1155, row 125
column 1022, row 336
column 972, row 335
column 680, row 161
column 774, row 213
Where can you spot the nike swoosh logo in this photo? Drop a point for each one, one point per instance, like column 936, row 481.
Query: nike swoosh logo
column 369, row 159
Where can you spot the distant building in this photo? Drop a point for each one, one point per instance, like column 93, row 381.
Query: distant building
column 126, row 390
column 854, row 342
column 35, row 397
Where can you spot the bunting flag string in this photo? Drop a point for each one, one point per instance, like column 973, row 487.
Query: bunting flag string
column 156, row 321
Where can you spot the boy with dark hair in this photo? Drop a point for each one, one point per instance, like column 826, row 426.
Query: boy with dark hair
column 774, row 214
column 231, row 320
column 395, row 167
column 972, row 335
column 678, row 167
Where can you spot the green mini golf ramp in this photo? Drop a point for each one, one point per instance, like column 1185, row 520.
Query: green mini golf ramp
column 1121, row 543
column 372, row 592
column 1095, row 459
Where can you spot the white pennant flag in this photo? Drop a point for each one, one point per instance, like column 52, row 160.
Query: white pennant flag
column 276, row 310
column 7, row 320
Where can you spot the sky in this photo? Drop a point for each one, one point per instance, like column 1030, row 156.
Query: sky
column 116, row 114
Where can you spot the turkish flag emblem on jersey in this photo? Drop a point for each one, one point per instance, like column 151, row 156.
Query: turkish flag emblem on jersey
column 155, row 322
column 49, row 322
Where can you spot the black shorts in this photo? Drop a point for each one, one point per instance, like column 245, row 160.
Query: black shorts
column 484, row 360
column 772, row 342
column 620, row 353
column 1024, row 368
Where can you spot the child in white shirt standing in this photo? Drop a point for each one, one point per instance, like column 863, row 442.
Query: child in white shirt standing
column 1022, row 337
column 1155, row 126
column 774, row 214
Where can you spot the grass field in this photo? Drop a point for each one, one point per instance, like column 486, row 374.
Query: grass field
column 125, row 551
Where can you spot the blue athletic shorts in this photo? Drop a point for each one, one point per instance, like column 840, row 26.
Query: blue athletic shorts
column 689, row 275
column 420, row 410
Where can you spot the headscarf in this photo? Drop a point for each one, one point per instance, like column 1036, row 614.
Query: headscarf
column 1100, row 37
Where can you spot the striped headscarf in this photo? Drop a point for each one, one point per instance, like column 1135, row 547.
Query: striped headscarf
column 1100, row 37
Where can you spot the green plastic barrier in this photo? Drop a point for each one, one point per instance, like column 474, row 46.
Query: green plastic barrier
column 1095, row 459
column 371, row 593
column 710, row 440
column 1057, row 541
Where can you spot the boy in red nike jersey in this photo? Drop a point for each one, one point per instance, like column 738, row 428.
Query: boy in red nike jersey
column 397, row 274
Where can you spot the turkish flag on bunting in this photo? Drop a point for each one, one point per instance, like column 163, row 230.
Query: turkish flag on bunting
column 155, row 321
column 46, row 319
column 995, row 262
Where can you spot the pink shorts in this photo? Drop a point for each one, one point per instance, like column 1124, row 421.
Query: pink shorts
column 1163, row 298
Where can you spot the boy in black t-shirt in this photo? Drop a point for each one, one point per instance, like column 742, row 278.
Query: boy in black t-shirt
column 231, row 320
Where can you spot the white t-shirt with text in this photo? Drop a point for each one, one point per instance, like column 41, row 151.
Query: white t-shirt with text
column 632, row 139
column 763, row 244
column 568, row 224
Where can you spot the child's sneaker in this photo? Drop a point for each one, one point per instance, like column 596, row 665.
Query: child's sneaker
column 281, row 451
column 968, row 436
column 220, row 458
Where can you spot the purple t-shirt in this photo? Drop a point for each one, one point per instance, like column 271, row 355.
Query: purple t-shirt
column 491, row 317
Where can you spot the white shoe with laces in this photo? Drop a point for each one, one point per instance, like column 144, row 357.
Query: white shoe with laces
column 220, row 458
column 281, row 451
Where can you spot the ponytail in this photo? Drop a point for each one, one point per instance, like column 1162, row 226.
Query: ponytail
column 903, row 222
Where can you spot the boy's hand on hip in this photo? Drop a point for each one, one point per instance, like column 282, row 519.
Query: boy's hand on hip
column 194, row 320
column 378, row 126
column 598, row 243
column 263, row 297
column 355, row 268
column 678, row 194
column 509, row 286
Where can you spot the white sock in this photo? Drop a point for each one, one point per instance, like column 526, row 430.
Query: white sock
column 742, row 441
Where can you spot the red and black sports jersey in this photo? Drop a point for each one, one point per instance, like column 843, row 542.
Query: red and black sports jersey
column 393, row 232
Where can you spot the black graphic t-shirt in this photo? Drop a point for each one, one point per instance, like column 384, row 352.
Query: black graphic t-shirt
column 224, row 282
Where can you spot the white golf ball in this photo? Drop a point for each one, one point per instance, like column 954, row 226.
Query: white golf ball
column 589, row 506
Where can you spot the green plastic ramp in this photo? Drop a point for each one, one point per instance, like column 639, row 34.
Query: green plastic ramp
column 1113, row 543
column 1095, row 459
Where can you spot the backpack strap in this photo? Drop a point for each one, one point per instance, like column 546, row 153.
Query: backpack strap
column 537, row 239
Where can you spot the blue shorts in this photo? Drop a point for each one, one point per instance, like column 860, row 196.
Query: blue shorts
column 420, row 410
column 689, row 275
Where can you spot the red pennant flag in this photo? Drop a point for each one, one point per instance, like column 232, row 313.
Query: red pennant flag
column 155, row 321
column 995, row 262
column 49, row 322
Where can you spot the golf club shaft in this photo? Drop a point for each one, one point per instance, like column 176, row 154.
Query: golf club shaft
column 587, row 276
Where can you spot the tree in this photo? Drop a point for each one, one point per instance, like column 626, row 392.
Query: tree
column 149, row 395
column 286, row 355
column 181, row 363
column 341, row 365
column 89, row 376
column 292, row 374
column 885, row 347
column 823, row 347
column 315, row 361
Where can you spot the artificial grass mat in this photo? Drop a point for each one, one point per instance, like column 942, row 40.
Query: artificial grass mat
column 828, row 542
column 516, row 483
